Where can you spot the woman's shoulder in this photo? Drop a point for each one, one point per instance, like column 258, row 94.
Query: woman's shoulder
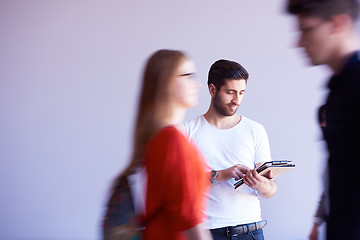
column 169, row 134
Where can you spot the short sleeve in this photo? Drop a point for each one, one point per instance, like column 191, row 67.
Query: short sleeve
column 262, row 146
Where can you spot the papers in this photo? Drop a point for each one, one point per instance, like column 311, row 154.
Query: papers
column 277, row 168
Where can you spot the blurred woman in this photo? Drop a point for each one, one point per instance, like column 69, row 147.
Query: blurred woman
column 176, row 178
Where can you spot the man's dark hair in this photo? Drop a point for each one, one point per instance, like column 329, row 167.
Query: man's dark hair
column 324, row 8
column 223, row 70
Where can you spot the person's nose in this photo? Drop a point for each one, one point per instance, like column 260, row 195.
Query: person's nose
column 235, row 99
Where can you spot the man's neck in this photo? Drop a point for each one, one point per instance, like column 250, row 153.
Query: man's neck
column 343, row 54
column 221, row 121
column 337, row 64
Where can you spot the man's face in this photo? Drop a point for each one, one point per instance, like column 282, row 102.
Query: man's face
column 316, row 38
column 228, row 98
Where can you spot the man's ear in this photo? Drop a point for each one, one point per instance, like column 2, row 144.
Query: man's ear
column 341, row 23
column 212, row 90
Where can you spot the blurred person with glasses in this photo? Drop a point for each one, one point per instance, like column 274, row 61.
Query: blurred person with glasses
column 328, row 35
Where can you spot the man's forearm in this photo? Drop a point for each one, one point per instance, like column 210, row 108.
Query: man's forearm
column 270, row 191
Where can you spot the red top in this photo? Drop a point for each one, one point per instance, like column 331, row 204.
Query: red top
column 177, row 182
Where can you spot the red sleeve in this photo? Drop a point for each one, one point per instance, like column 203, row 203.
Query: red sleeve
column 176, row 180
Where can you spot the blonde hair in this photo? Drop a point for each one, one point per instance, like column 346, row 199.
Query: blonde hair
column 154, row 105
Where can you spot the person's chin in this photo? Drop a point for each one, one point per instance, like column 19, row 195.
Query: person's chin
column 230, row 113
column 314, row 61
column 233, row 109
column 310, row 63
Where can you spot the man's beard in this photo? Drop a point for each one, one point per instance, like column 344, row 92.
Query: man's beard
column 222, row 108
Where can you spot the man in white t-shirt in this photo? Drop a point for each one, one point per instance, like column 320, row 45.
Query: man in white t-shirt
column 234, row 146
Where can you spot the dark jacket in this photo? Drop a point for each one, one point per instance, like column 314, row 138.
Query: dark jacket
column 343, row 140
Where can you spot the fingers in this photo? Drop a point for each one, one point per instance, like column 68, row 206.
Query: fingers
column 229, row 173
column 242, row 168
column 239, row 171
column 253, row 178
column 256, row 175
column 238, row 174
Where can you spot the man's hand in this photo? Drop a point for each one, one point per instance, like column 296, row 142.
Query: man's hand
column 237, row 171
column 314, row 234
column 265, row 186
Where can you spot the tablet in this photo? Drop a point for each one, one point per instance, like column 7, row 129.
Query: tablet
column 277, row 167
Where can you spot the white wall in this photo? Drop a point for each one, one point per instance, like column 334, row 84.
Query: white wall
column 69, row 80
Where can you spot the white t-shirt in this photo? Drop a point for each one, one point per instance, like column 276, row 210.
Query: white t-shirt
column 246, row 143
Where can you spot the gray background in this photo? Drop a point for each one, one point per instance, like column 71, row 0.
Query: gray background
column 69, row 80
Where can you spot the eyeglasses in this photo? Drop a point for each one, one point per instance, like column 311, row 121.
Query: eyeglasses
column 190, row 76
column 309, row 29
column 187, row 74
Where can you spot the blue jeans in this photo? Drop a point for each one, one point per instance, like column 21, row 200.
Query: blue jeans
column 257, row 235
